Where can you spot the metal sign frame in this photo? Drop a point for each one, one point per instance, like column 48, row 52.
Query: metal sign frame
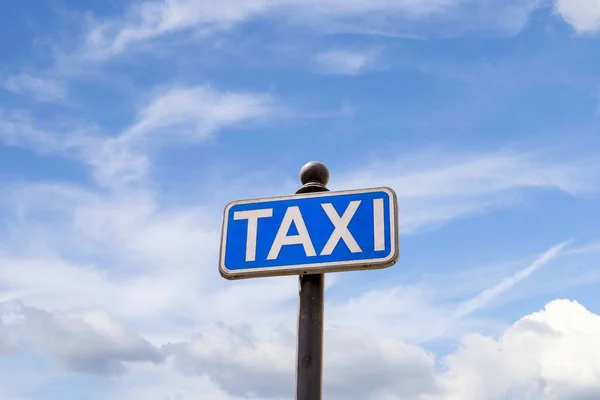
column 314, row 268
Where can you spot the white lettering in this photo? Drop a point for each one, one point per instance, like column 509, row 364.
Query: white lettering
column 378, row 225
column 341, row 228
column 292, row 214
column 252, row 216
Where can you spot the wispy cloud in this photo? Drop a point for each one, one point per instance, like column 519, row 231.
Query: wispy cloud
column 198, row 111
column 345, row 62
column 120, row 272
column 152, row 20
column 41, row 89
column 587, row 248
column 435, row 187
column 165, row 250
column 188, row 114
column 508, row 283
column 193, row 113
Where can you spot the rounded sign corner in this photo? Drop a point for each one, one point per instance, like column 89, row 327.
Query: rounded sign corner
column 226, row 273
column 391, row 192
column 393, row 257
column 388, row 189
column 229, row 206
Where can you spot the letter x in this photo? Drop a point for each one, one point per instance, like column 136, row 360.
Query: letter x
column 341, row 228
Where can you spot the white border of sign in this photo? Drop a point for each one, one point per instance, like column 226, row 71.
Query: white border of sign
column 316, row 268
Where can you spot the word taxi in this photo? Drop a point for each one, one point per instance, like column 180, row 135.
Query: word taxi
column 310, row 233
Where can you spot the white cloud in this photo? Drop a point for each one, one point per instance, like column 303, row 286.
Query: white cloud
column 506, row 284
column 42, row 89
column 410, row 312
column 150, row 20
column 433, row 187
column 153, row 266
column 137, row 257
column 360, row 366
column 553, row 354
column 158, row 275
column 17, row 128
column 431, row 309
column 239, row 362
column 128, row 255
column 548, row 355
column 125, row 253
column 250, row 364
column 582, row 15
column 87, row 341
column 198, row 111
column 175, row 114
column 187, row 114
column 162, row 382
column 345, row 62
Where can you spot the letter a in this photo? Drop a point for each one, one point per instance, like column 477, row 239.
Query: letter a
column 292, row 214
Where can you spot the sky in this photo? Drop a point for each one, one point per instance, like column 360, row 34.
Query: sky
column 126, row 127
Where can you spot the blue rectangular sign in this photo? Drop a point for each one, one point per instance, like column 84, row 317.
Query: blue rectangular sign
column 310, row 233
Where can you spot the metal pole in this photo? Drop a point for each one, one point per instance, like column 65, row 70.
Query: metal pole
column 309, row 357
column 309, row 369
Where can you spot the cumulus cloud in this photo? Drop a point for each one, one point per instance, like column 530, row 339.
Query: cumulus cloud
column 553, row 354
column 582, row 15
column 356, row 365
column 239, row 362
column 162, row 382
column 87, row 341
column 361, row 366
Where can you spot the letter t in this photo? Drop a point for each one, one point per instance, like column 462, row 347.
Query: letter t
column 252, row 216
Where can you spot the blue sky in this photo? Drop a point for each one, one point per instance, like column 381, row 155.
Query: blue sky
column 126, row 127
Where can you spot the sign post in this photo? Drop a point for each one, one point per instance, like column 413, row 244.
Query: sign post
column 309, row 234
column 309, row 353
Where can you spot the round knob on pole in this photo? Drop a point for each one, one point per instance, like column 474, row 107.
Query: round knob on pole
column 314, row 171
column 314, row 176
